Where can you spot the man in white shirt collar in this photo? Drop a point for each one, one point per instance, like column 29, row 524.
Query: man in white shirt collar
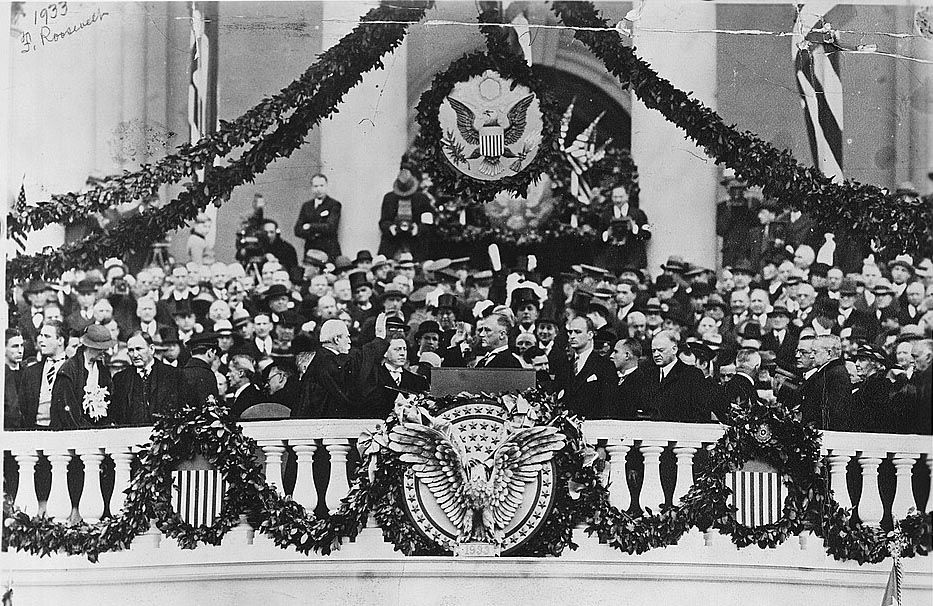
column 625, row 358
column 51, row 342
column 263, row 328
column 580, row 339
column 146, row 312
column 664, row 353
column 179, row 278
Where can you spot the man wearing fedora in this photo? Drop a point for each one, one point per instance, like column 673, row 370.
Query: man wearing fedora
column 319, row 219
column 147, row 388
column 405, row 218
column 83, row 372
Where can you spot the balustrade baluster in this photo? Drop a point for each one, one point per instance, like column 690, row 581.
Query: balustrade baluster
column 92, row 500
column 273, row 449
column 904, row 492
column 930, row 493
column 59, row 503
column 121, row 479
column 652, row 493
column 870, row 508
column 305, row 492
column 337, row 485
column 26, row 498
column 684, row 452
column 619, row 495
column 838, row 462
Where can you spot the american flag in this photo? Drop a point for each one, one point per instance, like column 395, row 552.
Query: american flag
column 202, row 85
column 819, row 80
column 14, row 229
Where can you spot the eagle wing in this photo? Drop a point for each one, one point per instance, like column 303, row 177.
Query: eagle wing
column 437, row 462
column 517, row 461
column 518, row 116
column 465, row 119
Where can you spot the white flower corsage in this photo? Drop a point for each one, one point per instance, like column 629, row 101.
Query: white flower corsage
column 96, row 401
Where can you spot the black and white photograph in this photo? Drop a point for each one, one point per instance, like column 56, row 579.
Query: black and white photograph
column 467, row 302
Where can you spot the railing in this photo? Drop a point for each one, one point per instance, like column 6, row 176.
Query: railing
column 656, row 459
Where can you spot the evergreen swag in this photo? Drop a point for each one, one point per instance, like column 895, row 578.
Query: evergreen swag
column 864, row 212
column 770, row 434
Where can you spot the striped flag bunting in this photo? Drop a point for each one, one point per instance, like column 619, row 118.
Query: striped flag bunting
column 758, row 494
column 819, row 81
column 202, row 86
column 14, row 230
column 197, row 495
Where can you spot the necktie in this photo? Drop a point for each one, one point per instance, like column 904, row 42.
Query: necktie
column 50, row 373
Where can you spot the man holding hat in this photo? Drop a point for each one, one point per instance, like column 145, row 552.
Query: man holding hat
column 406, row 214
column 319, row 219
column 83, row 389
column 625, row 232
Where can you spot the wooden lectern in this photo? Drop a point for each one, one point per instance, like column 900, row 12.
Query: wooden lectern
column 451, row 381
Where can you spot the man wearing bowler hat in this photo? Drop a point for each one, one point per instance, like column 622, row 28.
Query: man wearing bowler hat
column 85, row 372
column 406, row 216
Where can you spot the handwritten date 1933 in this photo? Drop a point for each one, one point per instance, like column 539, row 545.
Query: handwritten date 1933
column 48, row 35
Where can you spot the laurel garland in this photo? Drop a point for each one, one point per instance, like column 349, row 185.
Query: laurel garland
column 860, row 211
column 448, row 181
column 580, row 496
column 340, row 68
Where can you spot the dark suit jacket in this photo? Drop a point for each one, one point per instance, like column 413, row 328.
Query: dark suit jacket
column 627, row 400
column 389, row 244
column 591, row 392
column 875, row 409
column 629, row 248
column 738, row 391
column 248, row 397
column 197, row 382
column 138, row 402
column 503, row 359
column 326, row 387
column 684, row 395
column 165, row 308
column 30, row 386
column 826, row 397
column 760, row 245
column 76, row 323
column 918, row 407
column 784, row 351
column 321, row 232
column 68, row 396
column 12, row 408
column 383, row 399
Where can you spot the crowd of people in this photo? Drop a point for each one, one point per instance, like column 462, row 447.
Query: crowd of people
column 326, row 335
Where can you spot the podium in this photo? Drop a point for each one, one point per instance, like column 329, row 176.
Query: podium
column 451, row 381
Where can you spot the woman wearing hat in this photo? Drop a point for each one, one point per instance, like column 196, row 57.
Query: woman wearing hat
column 82, row 391
column 406, row 215
column 874, row 409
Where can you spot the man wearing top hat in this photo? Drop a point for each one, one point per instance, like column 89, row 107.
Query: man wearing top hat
column 84, row 373
column 361, row 307
column 197, row 379
column 148, row 387
column 405, row 217
column 319, row 219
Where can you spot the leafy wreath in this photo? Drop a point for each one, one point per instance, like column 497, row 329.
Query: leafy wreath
column 448, row 181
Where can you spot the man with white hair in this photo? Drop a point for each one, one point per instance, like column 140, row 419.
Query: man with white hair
column 826, row 394
column 340, row 381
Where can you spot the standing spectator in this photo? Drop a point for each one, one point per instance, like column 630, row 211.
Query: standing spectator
column 625, row 357
column 84, row 374
column 241, row 388
column 873, row 407
column 31, row 315
column 673, row 391
column 782, row 336
column 35, row 394
column 12, row 414
column 734, row 221
column 197, row 380
column 625, row 234
column 81, row 318
column 319, row 219
column 284, row 253
column 197, row 245
column 798, row 228
column 827, row 392
column 147, row 388
column 766, row 236
column 587, row 385
column 394, row 378
column 406, row 215
column 918, row 410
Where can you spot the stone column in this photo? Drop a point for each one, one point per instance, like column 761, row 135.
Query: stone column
column 678, row 181
column 362, row 145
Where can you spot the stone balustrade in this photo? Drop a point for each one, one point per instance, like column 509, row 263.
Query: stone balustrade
column 650, row 463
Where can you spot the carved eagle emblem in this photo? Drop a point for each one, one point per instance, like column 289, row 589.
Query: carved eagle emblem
column 492, row 130
column 480, row 492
